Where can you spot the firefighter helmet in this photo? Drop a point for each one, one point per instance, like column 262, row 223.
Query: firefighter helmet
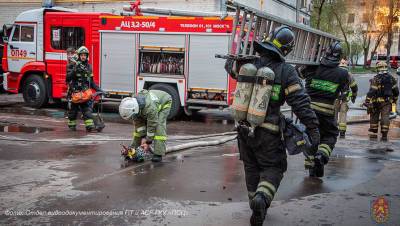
column 129, row 108
column 281, row 41
column 82, row 50
column 334, row 52
column 381, row 66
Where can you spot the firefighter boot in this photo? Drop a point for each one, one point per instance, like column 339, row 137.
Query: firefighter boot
column 89, row 124
column 318, row 169
column 259, row 204
column 72, row 125
column 384, row 136
column 342, row 134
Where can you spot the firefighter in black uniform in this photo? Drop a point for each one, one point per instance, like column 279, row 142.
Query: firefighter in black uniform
column 264, row 155
column 324, row 83
column 80, row 78
column 382, row 93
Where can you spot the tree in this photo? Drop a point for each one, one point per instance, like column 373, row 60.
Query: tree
column 366, row 31
column 394, row 14
column 318, row 6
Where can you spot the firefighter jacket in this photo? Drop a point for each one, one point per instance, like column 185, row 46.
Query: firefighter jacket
column 151, row 102
column 324, row 83
column 383, row 88
column 350, row 91
column 80, row 76
column 288, row 88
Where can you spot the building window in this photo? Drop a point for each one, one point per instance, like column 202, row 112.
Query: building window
column 15, row 36
column 63, row 38
column 350, row 19
column 27, row 33
column 303, row 4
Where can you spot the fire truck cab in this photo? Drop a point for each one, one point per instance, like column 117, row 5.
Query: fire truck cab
column 128, row 54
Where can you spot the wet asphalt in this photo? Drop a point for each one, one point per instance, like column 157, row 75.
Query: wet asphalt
column 52, row 176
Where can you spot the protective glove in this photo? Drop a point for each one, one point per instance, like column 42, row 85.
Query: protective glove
column 314, row 136
column 353, row 99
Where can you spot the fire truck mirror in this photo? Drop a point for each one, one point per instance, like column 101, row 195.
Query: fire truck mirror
column 4, row 33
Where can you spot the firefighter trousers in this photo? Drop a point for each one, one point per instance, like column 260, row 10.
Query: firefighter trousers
column 264, row 159
column 380, row 111
column 86, row 109
column 160, row 137
column 329, row 132
column 341, row 108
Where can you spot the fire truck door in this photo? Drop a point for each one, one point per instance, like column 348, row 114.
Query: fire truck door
column 21, row 46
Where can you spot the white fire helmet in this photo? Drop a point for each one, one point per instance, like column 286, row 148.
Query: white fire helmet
column 128, row 108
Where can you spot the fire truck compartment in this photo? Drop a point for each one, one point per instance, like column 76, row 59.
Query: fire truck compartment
column 118, row 66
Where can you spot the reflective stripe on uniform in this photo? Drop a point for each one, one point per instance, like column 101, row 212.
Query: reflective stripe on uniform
column 165, row 106
column 141, row 129
column 276, row 91
column 270, row 126
column 72, row 122
column 374, row 87
column 163, row 138
column 150, row 134
column 325, row 149
column 135, row 134
column 266, row 188
column 324, row 85
column 325, row 108
column 353, row 84
column 328, row 106
column 342, row 126
column 292, row 88
column 384, row 128
column 89, row 122
column 309, row 162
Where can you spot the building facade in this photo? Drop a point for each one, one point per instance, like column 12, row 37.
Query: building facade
column 370, row 17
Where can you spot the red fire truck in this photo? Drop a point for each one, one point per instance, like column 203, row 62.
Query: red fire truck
column 128, row 53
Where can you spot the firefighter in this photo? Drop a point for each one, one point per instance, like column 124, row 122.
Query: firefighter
column 80, row 81
column 149, row 109
column 382, row 93
column 263, row 153
column 324, row 83
column 341, row 104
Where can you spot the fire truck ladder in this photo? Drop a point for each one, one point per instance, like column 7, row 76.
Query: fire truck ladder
column 309, row 42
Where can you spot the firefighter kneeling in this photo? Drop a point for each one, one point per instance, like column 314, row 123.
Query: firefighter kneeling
column 382, row 93
column 149, row 110
column 80, row 82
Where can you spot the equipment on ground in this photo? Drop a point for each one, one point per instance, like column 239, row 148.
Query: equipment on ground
column 129, row 155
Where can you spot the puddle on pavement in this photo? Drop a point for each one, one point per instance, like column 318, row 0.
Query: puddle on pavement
column 15, row 128
column 340, row 173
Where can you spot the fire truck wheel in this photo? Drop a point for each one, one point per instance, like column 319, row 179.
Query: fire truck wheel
column 34, row 92
column 176, row 102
